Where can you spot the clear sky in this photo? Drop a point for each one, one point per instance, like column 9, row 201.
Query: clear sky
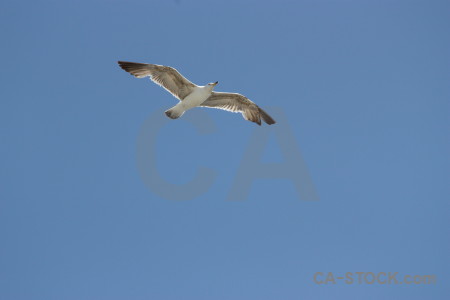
column 361, row 88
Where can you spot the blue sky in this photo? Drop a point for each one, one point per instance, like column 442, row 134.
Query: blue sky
column 363, row 86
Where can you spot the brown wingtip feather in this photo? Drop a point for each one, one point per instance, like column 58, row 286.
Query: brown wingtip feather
column 137, row 69
column 265, row 116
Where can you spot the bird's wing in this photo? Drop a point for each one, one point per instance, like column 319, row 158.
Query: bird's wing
column 238, row 103
column 167, row 77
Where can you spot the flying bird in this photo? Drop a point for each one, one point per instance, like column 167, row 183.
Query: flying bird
column 192, row 95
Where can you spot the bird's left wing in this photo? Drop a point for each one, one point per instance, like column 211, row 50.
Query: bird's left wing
column 238, row 103
column 167, row 77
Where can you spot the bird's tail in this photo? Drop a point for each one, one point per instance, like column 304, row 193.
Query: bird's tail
column 175, row 112
column 265, row 116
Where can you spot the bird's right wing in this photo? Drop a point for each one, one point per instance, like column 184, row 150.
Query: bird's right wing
column 167, row 77
column 238, row 103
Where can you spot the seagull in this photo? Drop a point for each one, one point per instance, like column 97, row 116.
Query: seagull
column 192, row 95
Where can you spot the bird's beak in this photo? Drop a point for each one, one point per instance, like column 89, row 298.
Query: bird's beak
column 216, row 83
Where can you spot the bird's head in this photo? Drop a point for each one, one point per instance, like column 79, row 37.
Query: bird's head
column 212, row 85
